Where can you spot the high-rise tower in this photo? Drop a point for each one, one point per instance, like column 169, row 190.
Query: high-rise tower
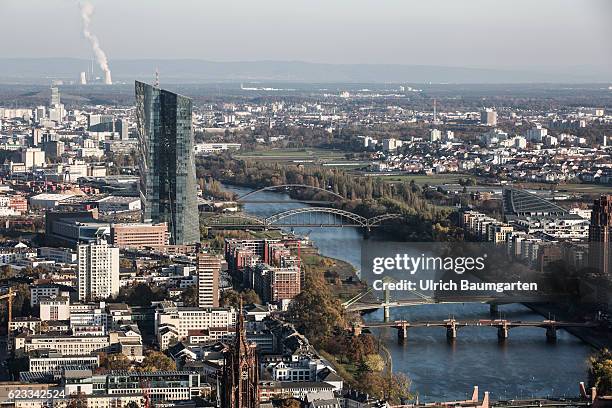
column 600, row 235
column 98, row 271
column 55, row 97
column 167, row 163
column 209, row 268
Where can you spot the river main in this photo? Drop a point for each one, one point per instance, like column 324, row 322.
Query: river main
column 523, row 366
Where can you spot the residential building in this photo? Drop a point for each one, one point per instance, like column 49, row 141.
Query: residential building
column 209, row 268
column 488, row 117
column 98, row 271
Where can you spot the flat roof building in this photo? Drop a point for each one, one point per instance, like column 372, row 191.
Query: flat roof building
column 139, row 236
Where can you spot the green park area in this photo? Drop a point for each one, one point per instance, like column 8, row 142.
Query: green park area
column 305, row 156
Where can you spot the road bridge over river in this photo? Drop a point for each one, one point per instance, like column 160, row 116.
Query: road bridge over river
column 452, row 326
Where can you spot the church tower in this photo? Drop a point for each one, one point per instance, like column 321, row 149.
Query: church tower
column 240, row 371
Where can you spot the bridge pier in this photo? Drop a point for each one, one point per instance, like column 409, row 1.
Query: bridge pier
column 551, row 334
column 502, row 332
column 366, row 232
column 386, row 313
column 451, row 330
column 402, row 334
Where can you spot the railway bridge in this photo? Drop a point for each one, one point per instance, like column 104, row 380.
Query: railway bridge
column 313, row 217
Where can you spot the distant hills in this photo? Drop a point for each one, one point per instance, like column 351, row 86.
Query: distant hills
column 42, row 70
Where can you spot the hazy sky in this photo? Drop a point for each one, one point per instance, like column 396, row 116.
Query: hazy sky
column 476, row 33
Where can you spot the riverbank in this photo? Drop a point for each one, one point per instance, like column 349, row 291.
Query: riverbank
column 518, row 368
column 341, row 275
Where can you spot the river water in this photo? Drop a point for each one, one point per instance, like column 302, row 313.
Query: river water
column 523, row 366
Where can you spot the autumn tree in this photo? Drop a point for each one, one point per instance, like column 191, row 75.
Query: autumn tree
column 391, row 387
column 316, row 312
column 600, row 373
column 231, row 298
column 141, row 294
column 116, row 361
column 157, row 361
column 290, row 403
column 189, row 296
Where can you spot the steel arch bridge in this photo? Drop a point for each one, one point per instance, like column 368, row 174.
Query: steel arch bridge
column 300, row 217
column 244, row 197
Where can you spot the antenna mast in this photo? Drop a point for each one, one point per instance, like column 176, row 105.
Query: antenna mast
column 434, row 112
column 157, row 77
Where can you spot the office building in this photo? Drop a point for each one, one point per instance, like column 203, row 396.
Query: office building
column 65, row 344
column 536, row 134
column 44, row 361
column 98, row 271
column 56, row 110
column 55, row 96
column 33, row 157
column 73, row 228
column 108, row 123
column 600, row 235
column 117, row 204
column 167, row 162
column 100, row 123
column 54, row 308
column 209, row 268
column 435, row 135
column 54, row 149
column 488, row 117
column 139, row 236
column 173, row 322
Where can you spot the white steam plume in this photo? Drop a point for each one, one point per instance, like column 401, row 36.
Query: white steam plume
column 86, row 12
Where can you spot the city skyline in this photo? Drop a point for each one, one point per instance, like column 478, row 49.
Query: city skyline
column 305, row 204
column 518, row 35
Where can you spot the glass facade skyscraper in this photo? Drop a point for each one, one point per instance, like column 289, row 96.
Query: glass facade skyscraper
column 167, row 162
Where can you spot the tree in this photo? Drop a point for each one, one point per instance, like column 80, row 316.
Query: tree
column 316, row 312
column 141, row 294
column 157, row 361
column 21, row 303
column 76, row 400
column 374, row 363
column 117, row 361
column 189, row 296
column 249, row 296
column 231, row 298
column 290, row 403
column 600, row 373
column 392, row 387
column 125, row 263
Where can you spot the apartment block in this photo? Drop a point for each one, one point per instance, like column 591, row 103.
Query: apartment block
column 98, row 271
column 209, row 268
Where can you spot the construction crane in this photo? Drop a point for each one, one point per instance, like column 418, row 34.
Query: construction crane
column 9, row 296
